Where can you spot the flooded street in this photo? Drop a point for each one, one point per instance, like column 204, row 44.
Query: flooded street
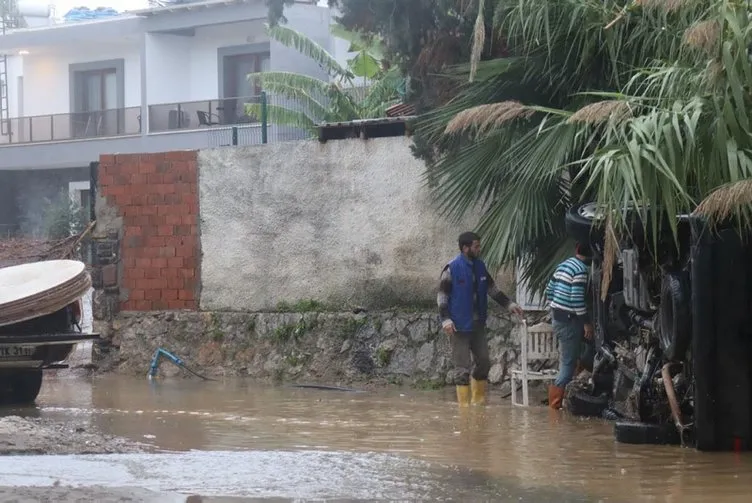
column 237, row 438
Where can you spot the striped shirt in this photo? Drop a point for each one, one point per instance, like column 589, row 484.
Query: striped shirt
column 566, row 290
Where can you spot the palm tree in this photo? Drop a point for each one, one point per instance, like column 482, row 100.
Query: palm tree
column 645, row 104
column 312, row 101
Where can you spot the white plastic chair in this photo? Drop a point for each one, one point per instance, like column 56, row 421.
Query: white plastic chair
column 537, row 343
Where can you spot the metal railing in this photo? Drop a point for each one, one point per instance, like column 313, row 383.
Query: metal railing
column 72, row 126
column 188, row 115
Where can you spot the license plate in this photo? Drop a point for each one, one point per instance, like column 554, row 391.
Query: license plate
column 16, row 351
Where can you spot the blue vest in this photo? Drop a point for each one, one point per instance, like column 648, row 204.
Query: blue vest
column 469, row 292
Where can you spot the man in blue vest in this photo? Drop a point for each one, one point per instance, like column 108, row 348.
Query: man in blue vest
column 464, row 288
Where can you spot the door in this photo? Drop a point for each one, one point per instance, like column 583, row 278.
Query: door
column 96, row 107
column 238, row 90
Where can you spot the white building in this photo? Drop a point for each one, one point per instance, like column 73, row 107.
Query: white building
column 153, row 80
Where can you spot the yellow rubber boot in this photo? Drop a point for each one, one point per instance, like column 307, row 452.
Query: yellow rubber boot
column 478, row 391
column 463, row 395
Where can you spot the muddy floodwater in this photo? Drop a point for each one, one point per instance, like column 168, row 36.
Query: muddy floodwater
column 236, row 438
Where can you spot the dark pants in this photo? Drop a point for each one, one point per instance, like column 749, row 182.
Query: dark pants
column 465, row 344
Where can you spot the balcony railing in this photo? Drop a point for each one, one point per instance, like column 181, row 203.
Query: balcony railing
column 201, row 114
column 72, row 126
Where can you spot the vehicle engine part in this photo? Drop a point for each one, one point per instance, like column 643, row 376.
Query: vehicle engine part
column 636, row 294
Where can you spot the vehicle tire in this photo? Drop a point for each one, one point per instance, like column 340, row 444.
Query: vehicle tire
column 579, row 226
column 675, row 332
column 645, row 433
column 24, row 386
column 580, row 403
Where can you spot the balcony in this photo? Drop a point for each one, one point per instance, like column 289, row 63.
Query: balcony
column 188, row 115
column 71, row 126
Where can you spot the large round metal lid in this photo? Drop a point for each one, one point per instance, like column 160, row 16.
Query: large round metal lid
column 38, row 288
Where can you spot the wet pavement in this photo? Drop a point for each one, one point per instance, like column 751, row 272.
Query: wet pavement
column 237, row 438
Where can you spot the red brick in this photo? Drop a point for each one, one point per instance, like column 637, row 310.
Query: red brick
column 169, row 272
column 176, row 304
column 142, row 305
column 188, row 220
column 116, row 190
column 146, row 167
column 144, row 284
column 187, row 273
column 185, row 251
column 154, row 179
column 159, row 305
column 155, row 241
column 138, row 179
column 129, row 262
column 169, row 294
column 180, row 155
column 136, row 294
column 190, row 262
column 134, row 274
column 193, row 208
column 175, row 263
column 128, row 305
column 182, row 230
column 124, row 200
column 166, row 230
column 149, row 210
column 167, row 252
column 155, row 200
column 189, row 284
column 159, row 263
column 156, row 157
column 143, row 263
column 191, row 304
column 152, row 273
column 194, row 230
column 138, row 199
column 107, row 159
column 153, row 294
column 151, row 252
column 186, row 295
column 176, row 283
column 171, row 199
column 105, row 180
column 173, row 219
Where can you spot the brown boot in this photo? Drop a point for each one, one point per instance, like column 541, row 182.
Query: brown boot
column 555, row 397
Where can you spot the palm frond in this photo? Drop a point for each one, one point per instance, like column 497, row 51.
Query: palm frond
column 306, row 46
column 282, row 116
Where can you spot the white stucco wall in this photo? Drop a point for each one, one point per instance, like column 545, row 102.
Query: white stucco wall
column 347, row 222
column 47, row 79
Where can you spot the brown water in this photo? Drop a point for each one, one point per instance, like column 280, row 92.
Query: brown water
column 240, row 438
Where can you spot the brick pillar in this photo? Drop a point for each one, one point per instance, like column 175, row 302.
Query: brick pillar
column 154, row 198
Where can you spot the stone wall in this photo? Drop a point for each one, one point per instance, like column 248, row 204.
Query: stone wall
column 332, row 348
column 147, row 248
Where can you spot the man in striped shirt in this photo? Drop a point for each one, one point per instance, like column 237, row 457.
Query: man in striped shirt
column 566, row 296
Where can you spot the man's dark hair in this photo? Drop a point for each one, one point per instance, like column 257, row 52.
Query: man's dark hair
column 583, row 249
column 467, row 238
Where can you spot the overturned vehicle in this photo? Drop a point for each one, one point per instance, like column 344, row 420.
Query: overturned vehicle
column 641, row 374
